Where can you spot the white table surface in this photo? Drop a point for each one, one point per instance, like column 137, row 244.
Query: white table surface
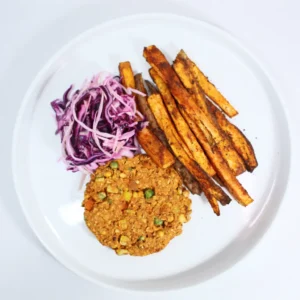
column 31, row 31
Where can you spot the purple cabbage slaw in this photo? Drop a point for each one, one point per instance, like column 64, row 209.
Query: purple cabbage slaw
column 97, row 123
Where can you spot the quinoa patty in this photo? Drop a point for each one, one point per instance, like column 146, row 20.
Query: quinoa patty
column 134, row 207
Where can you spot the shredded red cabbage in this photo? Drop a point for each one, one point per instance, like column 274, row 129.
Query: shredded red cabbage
column 97, row 123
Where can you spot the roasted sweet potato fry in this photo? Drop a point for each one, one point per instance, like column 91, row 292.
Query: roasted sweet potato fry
column 203, row 139
column 186, row 77
column 209, row 89
column 126, row 74
column 182, row 127
column 141, row 101
column 151, row 87
column 199, row 134
column 158, row 61
column 183, row 67
column 188, row 179
column 241, row 144
column 147, row 139
column 140, row 84
column 142, row 105
column 223, row 171
column 155, row 148
column 183, row 70
column 212, row 191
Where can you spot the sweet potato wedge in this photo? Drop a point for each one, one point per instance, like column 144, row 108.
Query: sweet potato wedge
column 183, row 70
column 203, row 139
column 182, row 127
column 147, row 139
column 152, row 88
column 183, row 67
column 158, row 61
column 188, row 179
column 155, row 148
column 209, row 89
column 224, row 173
column 126, row 74
column 141, row 101
column 142, row 105
column 212, row 191
column 241, row 144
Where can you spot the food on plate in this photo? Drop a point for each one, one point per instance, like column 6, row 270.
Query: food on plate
column 178, row 121
column 209, row 89
column 212, row 191
column 184, row 67
column 135, row 207
column 97, row 123
column 151, row 87
column 136, row 203
column 204, row 141
column 147, row 139
column 126, row 74
column 241, row 144
column 141, row 103
column 188, row 180
column 187, row 103
column 182, row 127
column 155, row 148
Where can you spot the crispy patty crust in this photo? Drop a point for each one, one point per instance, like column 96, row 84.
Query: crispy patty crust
column 134, row 207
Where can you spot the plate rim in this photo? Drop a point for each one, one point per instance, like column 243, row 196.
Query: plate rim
column 72, row 41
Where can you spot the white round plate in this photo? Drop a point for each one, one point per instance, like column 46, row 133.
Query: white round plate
column 209, row 244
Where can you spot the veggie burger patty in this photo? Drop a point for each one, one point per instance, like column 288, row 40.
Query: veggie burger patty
column 134, row 207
